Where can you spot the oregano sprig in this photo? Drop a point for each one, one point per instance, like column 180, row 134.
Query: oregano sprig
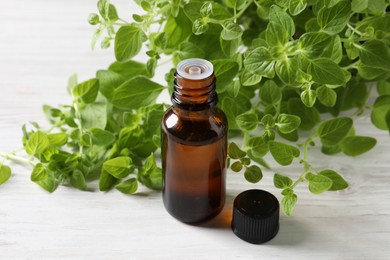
column 286, row 70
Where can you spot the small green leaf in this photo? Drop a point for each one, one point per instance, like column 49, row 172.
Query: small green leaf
column 297, row 6
column 93, row 19
column 249, row 79
column 338, row 182
column 259, row 61
column 231, row 31
column 268, row 120
column 333, row 19
column 288, row 123
column 309, row 97
column 326, row 96
column 128, row 42
column 282, row 182
column 283, row 153
column 5, row 173
column 199, row 26
column 57, row 139
column 128, row 187
column 39, row 173
column 94, row 115
column 270, row 93
column 100, row 137
column 78, row 180
column 106, row 181
column 206, row 9
column 253, row 174
column 288, row 203
column 313, row 44
column 375, row 54
column 276, row 35
column 235, row 152
column 279, row 16
column 318, row 183
column 379, row 112
column 229, row 48
column 357, row 145
column 236, row 166
column 332, row 131
column 37, row 143
column 326, row 71
column 257, row 146
column 309, row 115
column 247, row 121
column 119, row 167
column 136, row 92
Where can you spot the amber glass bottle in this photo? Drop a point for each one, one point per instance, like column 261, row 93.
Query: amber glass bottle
column 194, row 145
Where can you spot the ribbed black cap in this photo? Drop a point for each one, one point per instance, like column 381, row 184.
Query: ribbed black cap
column 255, row 216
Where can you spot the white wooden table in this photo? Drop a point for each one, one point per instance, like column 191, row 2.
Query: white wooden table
column 42, row 42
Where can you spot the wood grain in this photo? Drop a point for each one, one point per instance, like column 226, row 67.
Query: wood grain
column 42, row 43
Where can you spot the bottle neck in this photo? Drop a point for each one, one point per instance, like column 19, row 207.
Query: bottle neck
column 194, row 95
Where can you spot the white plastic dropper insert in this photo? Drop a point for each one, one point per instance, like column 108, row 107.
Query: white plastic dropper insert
column 195, row 69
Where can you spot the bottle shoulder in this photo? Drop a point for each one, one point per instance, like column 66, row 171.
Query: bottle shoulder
column 195, row 126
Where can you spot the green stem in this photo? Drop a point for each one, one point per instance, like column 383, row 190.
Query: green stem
column 306, row 165
column 57, row 124
column 360, row 110
column 13, row 157
column 234, row 18
column 80, row 125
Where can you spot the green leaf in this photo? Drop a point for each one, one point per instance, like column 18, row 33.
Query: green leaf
column 318, row 183
column 268, row 120
column 326, row 96
column 288, row 123
column 39, row 173
column 188, row 50
column 106, row 181
column 276, row 35
column 229, row 48
column 128, row 42
column 225, row 71
column 286, row 69
column 50, row 183
column 297, row 6
column 119, row 167
column 235, row 152
column 177, row 29
column 72, row 82
column 383, row 87
column 288, row 203
column 309, row 97
column 199, row 26
column 326, row 71
column 37, row 143
column 112, row 14
column 236, row 166
column 5, row 173
column 257, row 146
column 128, row 187
column 278, row 16
column 334, row 50
column 57, row 139
column 332, row 131
column 283, row 153
column 78, row 180
column 253, row 174
column 136, row 92
column 99, row 137
column 94, row 115
column 312, row 44
column 357, row 145
column 333, row 19
column 282, row 182
column 238, row 4
column 375, row 54
column 259, row 61
column 247, row 121
column 231, row 31
column 330, row 149
column 309, row 115
column 270, row 93
column 249, row 79
column 338, row 182
column 151, row 175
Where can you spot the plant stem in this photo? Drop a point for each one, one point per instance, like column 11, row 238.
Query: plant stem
column 78, row 115
column 16, row 158
column 55, row 125
column 360, row 110
column 306, row 165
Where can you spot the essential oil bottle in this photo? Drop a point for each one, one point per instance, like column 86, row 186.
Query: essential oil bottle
column 194, row 145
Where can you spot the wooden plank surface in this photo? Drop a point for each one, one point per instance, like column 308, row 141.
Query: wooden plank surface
column 42, row 43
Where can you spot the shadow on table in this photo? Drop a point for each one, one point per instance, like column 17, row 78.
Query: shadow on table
column 224, row 219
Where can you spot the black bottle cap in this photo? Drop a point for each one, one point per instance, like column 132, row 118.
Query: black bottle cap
column 255, row 216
